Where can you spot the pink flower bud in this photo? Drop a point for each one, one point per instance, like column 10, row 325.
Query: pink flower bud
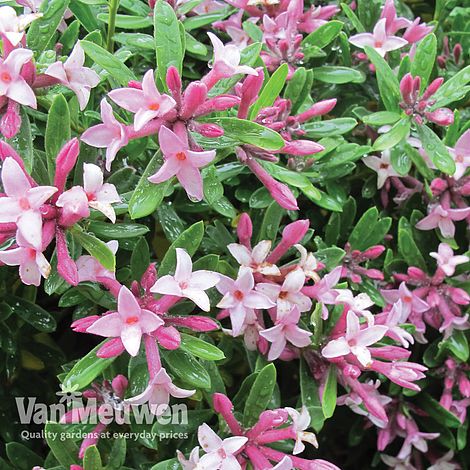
column 111, row 348
column 249, row 92
column 245, row 229
column 416, row 273
column 406, row 88
column 457, row 52
column 464, row 385
column 318, row 109
column 441, row 116
column 301, row 147
column 81, row 325
column 459, row 296
column 373, row 252
column 149, row 277
column 65, row 161
column 193, row 97
column 374, row 274
column 441, row 62
column 465, row 189
column 65, row 264
column 173, row 81
column 168, row 337
column 194, row 322
column 91, row 439
column 391, row 353
column 209, row 130
column 438, row 186
column 135, row 84
column 432, row 88
column 219, row 103
column 119, row 384
column 11, row 121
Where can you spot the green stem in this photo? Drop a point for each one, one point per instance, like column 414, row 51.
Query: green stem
column 113, row 8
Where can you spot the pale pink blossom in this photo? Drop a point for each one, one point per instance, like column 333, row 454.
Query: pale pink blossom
column 89, row 269
column 181, row 162
column 241, row 298
column 415, row 438
column 379, row 39
column 307, row 263
column 255, row 259
column 284, row 464
column 74, row 204
column 186, row 283
column 157, row 393
column 192, row 462
column 461, row 155
column 100, row 195
column 111, row 134
column 13, row 26
column 12, row 84
column 445, row 462
column 286, row 330
column 22, row 204
column 300, row 422
column 220, row 454
column 410, row 301
column 396, row 317
column 129, row 323
column 382, row 166
column 288, row 294
column 443, row 218
column 355, row 341
column 358, row 304
column 393, row 23
column 446, row 259
column 146, row 104
column 75, row 76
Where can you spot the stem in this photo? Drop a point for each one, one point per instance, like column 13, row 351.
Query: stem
column 113, row 8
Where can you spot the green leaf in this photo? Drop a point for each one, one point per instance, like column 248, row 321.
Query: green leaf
column 193, row 46
column 310, row 397
column 388, row 83
column 213, row 188
column 128, row 21
column 270, row 91
column 200, row 348
column 171, row 464
column 23, row 142
column 418, row 161
column 57, row 131
column 140, row 258
column 43, row 29
column 31, row 313
column 400, row 131
column 400, row 160
column 338, row 126
column 116, row 68
column 64, row 449
column 453, row 89
column 328, row 401
column 381, row 118
column 117, row 455
column 338, row 75
column 187, row 368
column 22, row 457
column 117, row 231
column 148, row 196
column 298, row 88
column 407, row 246
column 438, row 412
column 424, row 59
column 92, row 459
column 457, row 344
column 353, row 18
column 322, row 36
column 190, row 240
column 369, row 230
column 271, row 222
column 169, row 46
column 86, row 370
column 260, row 395
column 97, row 248
column 436, row 150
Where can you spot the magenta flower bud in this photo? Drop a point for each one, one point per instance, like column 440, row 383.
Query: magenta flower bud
column 119, row 384
column 464, row 385
column 194, row 322
column 457, row 52
column 441, row 116
column 219, row 103
column 318, row 109
column 391, row 353
column 374, row 274
column 416, row 86
column 11, row 121
column 438, row 186
column 135, row 84
column 441, row 62
column 416, row 273
column 415, row 32
column 193, row 97
column 301, row 147
column 459, row 296
column 291, row 235
column 168, row 337
column 65, row 161
column 209, row 130
column 245, row 229
column 81, row 325
column 351, row 371
column 373, row 252
column 432, row 88
column 173, row 82
column 65, row 264
column 28, row 72
column 465, row 189
column 224, row 407
column 111, row 348
column 149, row 277
column 249, row 92
column 76, row 467
column 406, row 88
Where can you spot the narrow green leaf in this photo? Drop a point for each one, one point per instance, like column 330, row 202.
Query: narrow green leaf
column 436, row 150
column 97, row 248
column 325, row 34
column 424, row 59
column 399, row 132
column 62, row 446
column 200, row 348
column 328, row 402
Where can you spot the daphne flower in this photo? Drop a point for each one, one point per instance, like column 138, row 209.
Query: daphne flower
column 192, row 462
column 393, row 23
column 286, row 330
column 186, row 283
column 308, row 263
column 379, row 39
column 181, row 162
column 461, row 155
column 289, row 294
column 443, row 218
column 255, row 259
column 129, row 322
column 89, row 269
column 111, row 135
column 358, row 304
column 240, row 298
column 75, row 76
column 13, row 26
column 74, row 203
column 12, row 84
column 220, row 454
column 23, row 202
column 446, row 259
column 158, row 391
column 396, row 317
column 382, row 166
column 147, row 104
column 100, row 196
column 355, row 341
column 410, row 302
column 300, row 422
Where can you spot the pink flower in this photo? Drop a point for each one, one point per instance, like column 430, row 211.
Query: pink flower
column 393, row 23
column 239, row 297
column 357, row 304
column 300, row 422
column 90, row 270
column 446, row 259
column 186, row 283
column 12, row 84
column 461, row 155
column 111, row 135
column 74, row 203
column 255, row 259
column 100, row 196
column 181, row 162
column 158, row 391
column 192, row 462
column 75, row 76
column 289, row 294
column 416, row 31
column 396, row 317
column 443, row 218
column 379, row 39
column 13, row 26
column 286, row 330
column 382, row 166
column 220, row 454
column 129, row 322
column 410, row 302
column 147, row 104
column 23, row 202
column 355, row 341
